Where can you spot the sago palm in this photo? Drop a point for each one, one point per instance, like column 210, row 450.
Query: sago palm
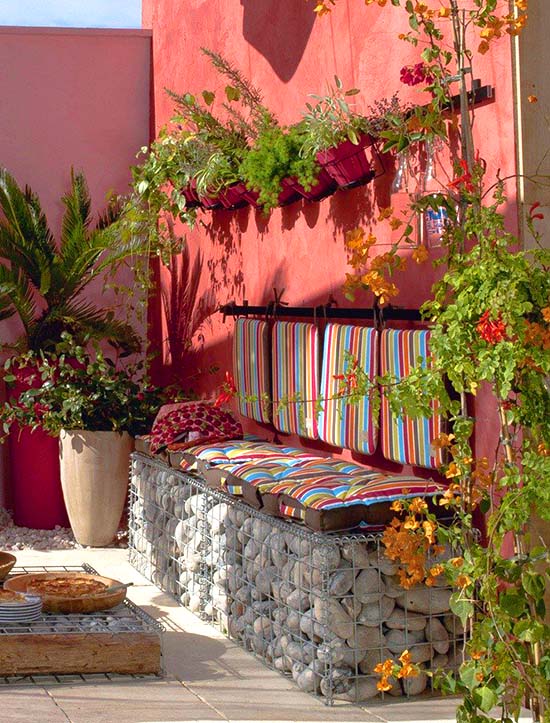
column 42, row 282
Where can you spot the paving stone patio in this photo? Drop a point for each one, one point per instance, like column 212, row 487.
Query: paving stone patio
column 206, row 677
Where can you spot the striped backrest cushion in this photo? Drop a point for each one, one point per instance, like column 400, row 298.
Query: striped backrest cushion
column 251, row 368
column 342, row 424
column 405, row 439
column 295, row 353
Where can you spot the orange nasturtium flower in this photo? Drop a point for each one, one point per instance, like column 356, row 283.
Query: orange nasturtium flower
column 321, row 9
column 408, row 669
column 452, row 471
column 385, row 213
column 429, row 528
column 463, row 580
column 442, row 440
column 546, row 314
column 420, row 254
column 418, row 505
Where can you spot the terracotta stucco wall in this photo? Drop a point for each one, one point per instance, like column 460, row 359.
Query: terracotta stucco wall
column 289, row 53
column 72, row 98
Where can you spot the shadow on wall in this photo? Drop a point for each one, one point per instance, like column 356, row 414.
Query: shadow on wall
column 265, row 27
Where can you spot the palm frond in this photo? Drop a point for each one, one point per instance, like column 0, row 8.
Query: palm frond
column 84, row 322
column 77, row 204
column 25, row 238
column 16, row 296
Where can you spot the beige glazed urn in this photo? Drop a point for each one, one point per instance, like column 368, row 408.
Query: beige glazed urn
column 94, row 479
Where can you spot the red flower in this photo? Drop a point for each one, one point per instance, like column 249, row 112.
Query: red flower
column 415, row 74
column 229, row 390
column 40, row 409
column 533, row 215
column 348, row 381
column 491, row 330
column 464, row 180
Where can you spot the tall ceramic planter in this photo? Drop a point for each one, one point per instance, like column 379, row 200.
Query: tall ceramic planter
column 34, row 464
column 94, row 479
column 34, row 469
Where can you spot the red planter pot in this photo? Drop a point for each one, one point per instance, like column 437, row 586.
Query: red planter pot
column 348, row 164
column 191, row 197
column 37, row 495
column 289, row 194
column 35, row 475
column 252, row 197
column 210, row 203
column 234, row 196
column 324, row 187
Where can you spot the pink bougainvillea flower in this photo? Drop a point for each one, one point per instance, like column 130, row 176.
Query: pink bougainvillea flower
column 491, row 330
column 415, row 74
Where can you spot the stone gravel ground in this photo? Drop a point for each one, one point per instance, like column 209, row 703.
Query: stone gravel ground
column 24, row 538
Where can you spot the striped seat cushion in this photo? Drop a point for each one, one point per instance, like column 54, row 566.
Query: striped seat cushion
column 405, row 439
column 252, row 479
column 206, row 459
column 343, row 504
column 341, row 424
column 295, row 353
column 251, row 368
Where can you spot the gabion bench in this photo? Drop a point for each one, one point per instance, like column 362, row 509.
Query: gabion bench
column 323, row 608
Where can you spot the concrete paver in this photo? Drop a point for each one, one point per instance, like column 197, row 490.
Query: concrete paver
column 29, row 704
column 143, row 701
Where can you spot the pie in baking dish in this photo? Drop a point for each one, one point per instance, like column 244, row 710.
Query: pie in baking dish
column 67, row 586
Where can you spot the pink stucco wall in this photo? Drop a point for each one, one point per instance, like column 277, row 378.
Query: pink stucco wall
column 289, row 53
column 72, row 97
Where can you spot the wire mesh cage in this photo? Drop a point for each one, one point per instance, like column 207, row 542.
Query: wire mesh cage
column 322, row 608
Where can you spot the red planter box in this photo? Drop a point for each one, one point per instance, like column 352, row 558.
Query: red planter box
column 210, row 203
column 324, row 187
column 289, row 193
column 348, row 164
column 191, row 197
column 234, row 196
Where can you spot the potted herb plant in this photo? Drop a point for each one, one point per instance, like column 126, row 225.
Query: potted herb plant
column 43, row 284
column 338, row 136
column 95, row 407
column 276, row 168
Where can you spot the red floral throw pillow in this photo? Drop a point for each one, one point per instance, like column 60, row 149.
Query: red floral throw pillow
column 191, row 423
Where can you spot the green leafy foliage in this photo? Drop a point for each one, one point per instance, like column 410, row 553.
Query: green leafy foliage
column 71, row 388
column 276, row 155
column 43, row 283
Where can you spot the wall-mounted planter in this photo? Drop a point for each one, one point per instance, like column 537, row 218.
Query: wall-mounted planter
column 191, row 197
column 252, row 198
column 348, row 164
column 289, row 193
column 210, row 203
column 324, row 187
column 234, row 196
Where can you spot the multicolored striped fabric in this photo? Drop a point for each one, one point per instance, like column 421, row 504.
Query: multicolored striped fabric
column 295, row 357
column 405, row 439
column 326, row 495
column 342, row 424
column 256, row 473
column 246, row 451
column 251, row 368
